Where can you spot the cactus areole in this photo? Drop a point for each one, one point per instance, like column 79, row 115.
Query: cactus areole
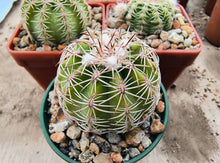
column 54, row 22
column 146, row 17
column 108, row 81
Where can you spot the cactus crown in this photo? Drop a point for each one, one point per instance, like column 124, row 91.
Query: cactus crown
column 146, row 17
column 55, row 22
column 108, row 81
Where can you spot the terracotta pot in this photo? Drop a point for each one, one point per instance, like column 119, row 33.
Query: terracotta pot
column 173, row 62
column 209, row 6
column 212, row 31
column 42, row 65
column 45, row 118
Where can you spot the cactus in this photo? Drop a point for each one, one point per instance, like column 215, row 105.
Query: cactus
column 54, row 22
column 108, row 81
column 146, row 17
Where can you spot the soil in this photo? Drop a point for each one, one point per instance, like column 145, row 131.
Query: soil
column 192, row 134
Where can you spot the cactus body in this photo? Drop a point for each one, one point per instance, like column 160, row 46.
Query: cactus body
column 108, row 81
column 146, row 17
column 55, row 22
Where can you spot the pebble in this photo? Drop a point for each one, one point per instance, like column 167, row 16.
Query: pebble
column 94, row 148
column 114, row 22
column 75, row 144
column 98, row 17
column 64, row 150
column 113, row 137
column 73, row 132
column 40, row 49
column 47, row 48
column 63, row 145
column 116, row 157
column 146, row 142
column 160, row 107
column 163, row 46
column 96, row 22
column 124, row 26
column 133, row 152
column 194, row 42
column 148, row 41
column 184, row 33
column 74, row 153
column 96, row 26
column 151, row 37
column 103, row 158
column 58, row 114
column 61, row 126
column 22, row 33
column 97, row 10
column 116, row 148
column 155, row 43
column 103, row 144
column 146, row 125
column 126, row 158
column 156, row 126
column 86, row 156
column 186, row 28
column 32, row 47
column 61, row 47
column 174, row 37
column 24, row 41
column 58, row 137
column 196, row 46
column 173, row 46
column 177, row 10
column 192, row 35
column 164, row 35
column 178, row 15
column 16, row 41
column 140, row 148
column 180, row 46
column 134, row 136
column 176, row 24
column 179, row 31
column 168, row 43
column 84, row 144
column 181, row 20
column 123, row 144
column 187, row 42
column 85, row 134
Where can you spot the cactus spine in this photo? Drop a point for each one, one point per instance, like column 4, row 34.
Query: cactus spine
column 146, row 17
column 55, row 22
column 108, row 81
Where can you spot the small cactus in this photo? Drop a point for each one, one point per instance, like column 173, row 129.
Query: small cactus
column 54, row 22
column 108, row 81
column 146, row 17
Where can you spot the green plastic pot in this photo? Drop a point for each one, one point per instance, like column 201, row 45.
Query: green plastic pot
column 45, row 118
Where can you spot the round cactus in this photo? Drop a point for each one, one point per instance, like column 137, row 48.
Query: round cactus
column 146, row 17
column 108, row 81
column 55, row 22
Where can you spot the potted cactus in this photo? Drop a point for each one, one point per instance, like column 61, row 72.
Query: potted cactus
column 48, row 24
column 165, row 26
column 108, row 83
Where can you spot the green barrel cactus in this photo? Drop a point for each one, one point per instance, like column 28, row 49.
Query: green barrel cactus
column 54, row 22
column 146, row 17
column 108, row 81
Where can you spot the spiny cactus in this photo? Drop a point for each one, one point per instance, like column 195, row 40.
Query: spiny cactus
column 146, row 17
column 108, row 81
column 55, row 22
